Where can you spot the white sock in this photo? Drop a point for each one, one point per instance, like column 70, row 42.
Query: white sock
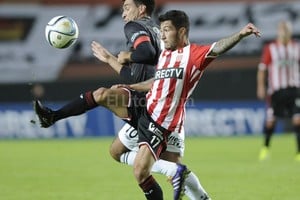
column 128, row 157
column 164, row 167
column 194, row 189
column 160, row 166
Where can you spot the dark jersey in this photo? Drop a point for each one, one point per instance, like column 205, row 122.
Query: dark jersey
column 134, row 31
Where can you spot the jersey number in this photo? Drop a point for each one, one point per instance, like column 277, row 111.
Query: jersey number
column 155, row 141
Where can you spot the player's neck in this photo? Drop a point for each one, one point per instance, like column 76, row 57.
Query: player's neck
column 183, row 44
column 284, row 41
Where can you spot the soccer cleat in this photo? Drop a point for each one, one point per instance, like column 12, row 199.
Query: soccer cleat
column 264, row 154
column 297, row 158
column 178, row 181
column 45, row 115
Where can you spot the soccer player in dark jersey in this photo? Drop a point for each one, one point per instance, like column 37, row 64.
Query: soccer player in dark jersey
column 137, row 64
column 279, row 68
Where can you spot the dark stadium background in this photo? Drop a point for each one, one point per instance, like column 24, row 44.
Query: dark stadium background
column 231, row 78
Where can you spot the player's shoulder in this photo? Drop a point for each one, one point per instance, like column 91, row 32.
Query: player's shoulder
column 269, row 43
column 134, row 25
column 194, row 46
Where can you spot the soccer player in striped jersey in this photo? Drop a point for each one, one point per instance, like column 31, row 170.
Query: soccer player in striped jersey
column 179, row 69
column 279, row 68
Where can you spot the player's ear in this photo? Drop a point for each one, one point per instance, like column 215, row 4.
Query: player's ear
column 182, row 31
column 142, row 9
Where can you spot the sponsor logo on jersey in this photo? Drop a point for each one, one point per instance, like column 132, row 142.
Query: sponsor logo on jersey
column 155, row 130
column 137, row 34
column 169, row 73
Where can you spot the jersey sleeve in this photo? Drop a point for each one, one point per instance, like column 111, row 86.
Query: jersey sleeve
column 200, row 56
column 136, row 34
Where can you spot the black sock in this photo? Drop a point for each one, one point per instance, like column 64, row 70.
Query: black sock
column 297, row 131
column 151, row 189
column 76, row 107
column 268, row 134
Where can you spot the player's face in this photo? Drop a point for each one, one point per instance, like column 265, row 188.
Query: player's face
column 130, row 11
column 169, row 35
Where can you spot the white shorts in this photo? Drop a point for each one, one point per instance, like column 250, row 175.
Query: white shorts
column 129, row 137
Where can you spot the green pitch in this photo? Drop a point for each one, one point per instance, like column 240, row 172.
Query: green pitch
column 81, row 169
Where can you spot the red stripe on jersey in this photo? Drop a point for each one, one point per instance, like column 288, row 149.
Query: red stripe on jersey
column 141, row 39
column 178, row 116
column 169, row 99
column 161, row 82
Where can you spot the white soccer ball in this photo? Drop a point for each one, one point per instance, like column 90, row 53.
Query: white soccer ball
column 61, row 32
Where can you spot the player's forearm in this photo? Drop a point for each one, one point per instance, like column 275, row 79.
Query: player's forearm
column 261, row 87
column 225, row 44
column 144, row 86
column 113, row 62
column 261, row 79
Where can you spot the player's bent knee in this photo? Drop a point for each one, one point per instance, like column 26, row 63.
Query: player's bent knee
column 115, row 153
column 116, row 156
column 270, row 124
column 117, row 149
column 100, row 94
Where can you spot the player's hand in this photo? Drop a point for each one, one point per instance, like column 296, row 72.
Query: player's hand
column 250, row 29
column 100, row 52
column 124, row 57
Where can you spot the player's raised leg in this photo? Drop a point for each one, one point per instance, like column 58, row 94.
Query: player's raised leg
column 116, row 100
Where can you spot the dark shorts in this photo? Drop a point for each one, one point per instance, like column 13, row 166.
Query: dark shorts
column 286, row 102
column 149, row 132
column 152, row 135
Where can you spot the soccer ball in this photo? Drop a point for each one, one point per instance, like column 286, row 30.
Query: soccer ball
column 61, row 32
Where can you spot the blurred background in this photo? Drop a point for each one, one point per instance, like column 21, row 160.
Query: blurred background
column 224, row 103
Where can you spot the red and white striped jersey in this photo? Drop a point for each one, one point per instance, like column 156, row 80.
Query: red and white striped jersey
column 177, row 74
column 282, row 63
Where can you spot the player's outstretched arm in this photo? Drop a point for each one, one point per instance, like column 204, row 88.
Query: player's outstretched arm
column 105, row 56
column 144, row 86
column 225, row 44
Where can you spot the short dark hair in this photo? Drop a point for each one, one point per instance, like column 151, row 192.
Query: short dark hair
column 150, row 5
column 177, row 17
